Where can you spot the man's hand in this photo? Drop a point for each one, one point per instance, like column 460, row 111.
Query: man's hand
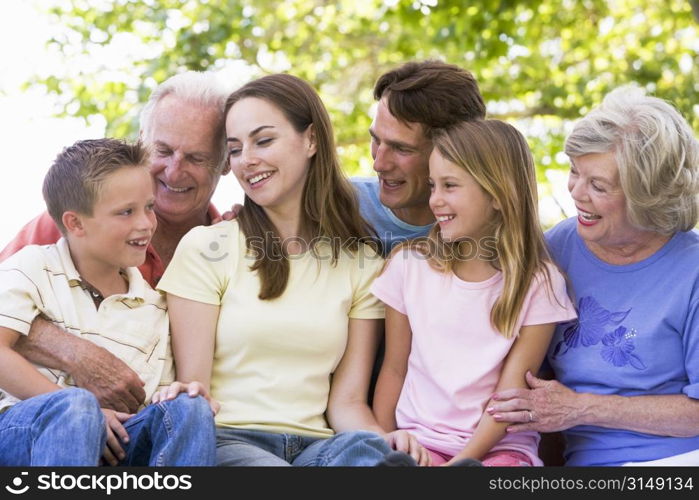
column 232, row 214
column 115, row 384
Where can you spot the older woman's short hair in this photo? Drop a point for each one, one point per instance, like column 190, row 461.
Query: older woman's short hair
column 656, row 153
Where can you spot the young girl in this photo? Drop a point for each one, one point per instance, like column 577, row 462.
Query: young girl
column 473, row 307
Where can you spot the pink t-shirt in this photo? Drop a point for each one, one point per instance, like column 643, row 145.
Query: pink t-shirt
column 456, row 355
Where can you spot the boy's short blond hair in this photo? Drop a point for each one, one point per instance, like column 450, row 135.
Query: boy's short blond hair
column 74, row 180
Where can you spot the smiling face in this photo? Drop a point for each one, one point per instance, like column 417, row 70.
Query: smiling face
column 462, row 208
column 185, row 152
column 401, row 153
column 122, row 223
column 268, row 156
column 596, row 189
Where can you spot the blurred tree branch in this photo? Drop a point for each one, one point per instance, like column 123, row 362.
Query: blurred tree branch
column 543, row 61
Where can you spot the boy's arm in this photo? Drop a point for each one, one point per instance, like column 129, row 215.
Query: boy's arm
column 115, row 385
column 18, row 376
column 527, row 353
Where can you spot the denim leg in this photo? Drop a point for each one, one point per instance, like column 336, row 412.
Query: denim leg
column 178, row 432
column 353, row 448
column 239, row 447
column 61, row 428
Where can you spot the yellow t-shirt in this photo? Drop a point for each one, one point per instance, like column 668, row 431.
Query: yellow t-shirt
column 274, row 358
column 133, row 326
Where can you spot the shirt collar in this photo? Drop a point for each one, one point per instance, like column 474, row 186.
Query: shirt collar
column 137, row 286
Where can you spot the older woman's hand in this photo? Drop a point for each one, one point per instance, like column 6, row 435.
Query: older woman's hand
column 547, row 407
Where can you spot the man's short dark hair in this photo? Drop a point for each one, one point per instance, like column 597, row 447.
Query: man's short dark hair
column 432, row 93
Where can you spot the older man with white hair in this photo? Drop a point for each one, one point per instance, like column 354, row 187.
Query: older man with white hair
column 183, row 124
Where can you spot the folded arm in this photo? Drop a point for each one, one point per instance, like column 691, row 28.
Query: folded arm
column 115, row 385
column 17, row 375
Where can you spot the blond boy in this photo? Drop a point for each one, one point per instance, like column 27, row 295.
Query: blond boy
column 100, row 194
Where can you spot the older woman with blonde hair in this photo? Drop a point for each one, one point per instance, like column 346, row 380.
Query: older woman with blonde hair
column 627, row 371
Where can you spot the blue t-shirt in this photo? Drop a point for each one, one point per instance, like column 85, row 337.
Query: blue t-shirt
column 637, row 334
column 390, row 229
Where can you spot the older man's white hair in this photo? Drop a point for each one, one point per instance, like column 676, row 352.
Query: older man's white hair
column 204, row 89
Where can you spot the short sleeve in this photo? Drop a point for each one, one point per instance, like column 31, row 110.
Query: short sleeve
column 690, row 343
column 20, row 295
column 202, row 263
column 546, row 304
column 364, row 305
column 388, row 286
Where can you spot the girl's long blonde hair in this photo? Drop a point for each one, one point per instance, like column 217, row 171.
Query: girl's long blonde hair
column 497, row 156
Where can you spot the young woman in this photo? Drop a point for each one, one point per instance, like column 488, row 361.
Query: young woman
column 473, row 307
column 272, row 311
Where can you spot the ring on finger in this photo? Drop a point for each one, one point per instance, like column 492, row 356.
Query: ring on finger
column 531, row 416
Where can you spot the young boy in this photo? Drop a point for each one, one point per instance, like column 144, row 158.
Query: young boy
column 100, row 194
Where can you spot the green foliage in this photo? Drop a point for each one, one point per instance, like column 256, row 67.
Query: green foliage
column 540, row 63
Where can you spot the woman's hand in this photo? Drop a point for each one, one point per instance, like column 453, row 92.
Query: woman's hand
column 116, row 434
column 192, row 389
column 548, row 406
column 404, row 441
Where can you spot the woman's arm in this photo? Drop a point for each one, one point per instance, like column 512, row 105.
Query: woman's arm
column 17, row 375
column 554, row 407
column 193, row 329
column 347, row 405
column 393, row 368
column 526, row 354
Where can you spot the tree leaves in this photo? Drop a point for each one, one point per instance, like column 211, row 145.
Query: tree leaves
column 540, row 64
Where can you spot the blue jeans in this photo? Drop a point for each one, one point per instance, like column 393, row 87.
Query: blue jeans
column 64, row 427
column 237, row 447
column 172, row 433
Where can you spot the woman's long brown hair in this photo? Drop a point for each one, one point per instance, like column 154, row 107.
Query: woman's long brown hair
column 329, row 209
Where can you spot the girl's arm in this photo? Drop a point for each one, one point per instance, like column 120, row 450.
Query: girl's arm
column 17, row 375
column 193, row 330
column 555, row 407
column 347, row 405
column 526, row 354
column 390, row 384
column 393, row 368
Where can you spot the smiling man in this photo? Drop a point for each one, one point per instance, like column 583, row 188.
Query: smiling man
column 413, row 100
column 183, row 125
